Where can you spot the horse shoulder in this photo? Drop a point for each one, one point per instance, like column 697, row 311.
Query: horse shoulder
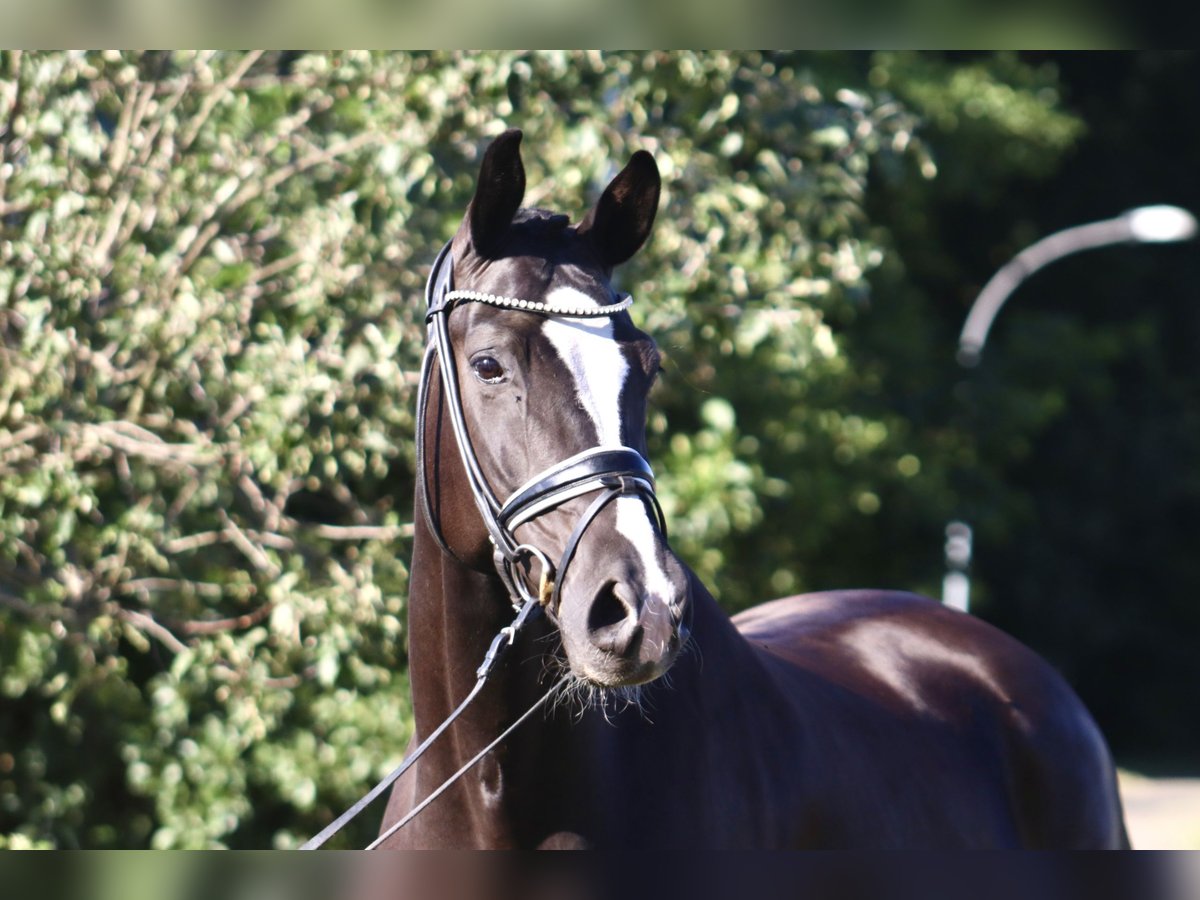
column 914, row 648
column 950, row 679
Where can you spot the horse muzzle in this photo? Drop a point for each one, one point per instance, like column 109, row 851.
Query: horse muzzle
column 618, row 594
column 623, row 623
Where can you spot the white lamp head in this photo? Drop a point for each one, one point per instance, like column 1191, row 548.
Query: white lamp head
column 1160, row 224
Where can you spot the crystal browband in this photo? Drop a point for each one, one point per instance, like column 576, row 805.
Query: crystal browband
column 575, row 312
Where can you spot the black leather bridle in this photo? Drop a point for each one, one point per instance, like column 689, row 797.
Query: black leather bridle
column 611, row 471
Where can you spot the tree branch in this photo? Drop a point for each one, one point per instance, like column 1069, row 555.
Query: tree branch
column 215, row 96
column 15, row 603
column 147, row 623
column 136, row 441
column 235, row 623
column 359, row 532
column 160, row 585
column 249, row 549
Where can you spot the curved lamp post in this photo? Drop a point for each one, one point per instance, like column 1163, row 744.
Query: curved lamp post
column 1143, row 225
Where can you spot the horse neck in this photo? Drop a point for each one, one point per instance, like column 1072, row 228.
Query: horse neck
column 454, row 612
column 516, row 792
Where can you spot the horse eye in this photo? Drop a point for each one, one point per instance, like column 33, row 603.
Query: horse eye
column 487, row 369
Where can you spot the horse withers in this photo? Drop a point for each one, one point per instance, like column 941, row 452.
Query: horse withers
column 869, row 719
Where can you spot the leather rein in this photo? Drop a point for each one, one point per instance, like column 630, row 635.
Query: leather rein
column 609, row 472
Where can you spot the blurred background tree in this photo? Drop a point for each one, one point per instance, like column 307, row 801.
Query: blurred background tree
column 210, row 287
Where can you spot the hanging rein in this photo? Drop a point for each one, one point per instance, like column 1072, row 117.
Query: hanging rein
column 610, row 472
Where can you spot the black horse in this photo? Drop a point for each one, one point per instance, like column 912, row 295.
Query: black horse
column 840, row 719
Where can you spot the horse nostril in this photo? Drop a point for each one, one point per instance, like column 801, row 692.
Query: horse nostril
column 612, row 620
column 608, row 608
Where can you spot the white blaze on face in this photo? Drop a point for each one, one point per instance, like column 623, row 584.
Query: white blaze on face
column 599, row 368
column 594, row 359
column 633, row 521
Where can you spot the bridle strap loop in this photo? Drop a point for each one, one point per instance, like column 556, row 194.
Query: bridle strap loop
column 546, row 575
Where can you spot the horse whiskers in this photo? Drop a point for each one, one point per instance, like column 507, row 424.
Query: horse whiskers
column 691, row 646
column 578, row 695
column 610, row 701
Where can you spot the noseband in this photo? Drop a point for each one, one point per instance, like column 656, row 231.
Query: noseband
column 611, row 471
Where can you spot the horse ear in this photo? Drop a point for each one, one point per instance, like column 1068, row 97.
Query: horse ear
column 498, row 192
column 620, row 222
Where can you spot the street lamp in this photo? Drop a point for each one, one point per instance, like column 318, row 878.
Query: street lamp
column 1144, row 225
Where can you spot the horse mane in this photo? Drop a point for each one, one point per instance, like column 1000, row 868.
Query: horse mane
column 537, row 222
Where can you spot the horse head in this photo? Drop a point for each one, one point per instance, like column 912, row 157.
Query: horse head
column 543, row 386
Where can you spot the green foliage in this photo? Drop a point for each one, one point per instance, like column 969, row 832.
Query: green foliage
column 205, row 369
column 211, row 270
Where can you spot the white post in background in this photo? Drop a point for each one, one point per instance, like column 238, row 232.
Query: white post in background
column 956, row 585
